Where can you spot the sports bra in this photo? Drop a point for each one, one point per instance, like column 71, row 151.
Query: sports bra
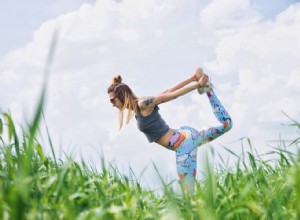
column 153, row 126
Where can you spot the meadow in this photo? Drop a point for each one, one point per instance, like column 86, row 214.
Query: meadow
column 34, row 185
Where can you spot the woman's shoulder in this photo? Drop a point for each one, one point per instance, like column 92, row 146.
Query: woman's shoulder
column 146, row 105
column 146, row 102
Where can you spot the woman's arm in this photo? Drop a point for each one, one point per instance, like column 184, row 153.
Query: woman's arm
column 150, row 102
column 195, row 77
column 173, row 94
column 180, row 85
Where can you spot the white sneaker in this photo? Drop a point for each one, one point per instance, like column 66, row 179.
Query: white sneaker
column 206, row 88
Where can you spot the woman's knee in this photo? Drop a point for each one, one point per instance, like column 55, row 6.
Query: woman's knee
column 228, row 124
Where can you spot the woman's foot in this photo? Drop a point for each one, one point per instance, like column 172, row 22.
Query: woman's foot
column 205, row 85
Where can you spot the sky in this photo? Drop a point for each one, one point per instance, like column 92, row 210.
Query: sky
column 250, row 49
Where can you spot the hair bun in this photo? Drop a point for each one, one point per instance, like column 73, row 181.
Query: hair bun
column 117, row 79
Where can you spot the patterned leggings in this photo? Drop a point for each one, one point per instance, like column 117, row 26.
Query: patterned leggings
column 186, row 140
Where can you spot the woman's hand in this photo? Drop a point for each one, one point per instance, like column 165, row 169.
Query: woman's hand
column 198, row 74
column 203, row 80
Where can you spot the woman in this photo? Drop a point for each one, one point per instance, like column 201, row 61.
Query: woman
column 185, row 140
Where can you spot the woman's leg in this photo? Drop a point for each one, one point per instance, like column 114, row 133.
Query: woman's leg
column 187, row 169
column 221, row 115
column 184, row 142
column 186, row 152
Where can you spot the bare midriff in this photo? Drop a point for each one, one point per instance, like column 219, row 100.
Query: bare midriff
column 165, row 139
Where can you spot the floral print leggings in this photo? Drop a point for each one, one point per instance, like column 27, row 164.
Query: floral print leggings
column 185, row 141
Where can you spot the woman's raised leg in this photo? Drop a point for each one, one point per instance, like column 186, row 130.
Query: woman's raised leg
column 225, row 122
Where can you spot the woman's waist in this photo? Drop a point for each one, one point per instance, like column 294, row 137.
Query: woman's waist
column 174, row 137
column 165, row 139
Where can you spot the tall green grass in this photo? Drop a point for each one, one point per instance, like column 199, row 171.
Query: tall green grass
column 34, row 185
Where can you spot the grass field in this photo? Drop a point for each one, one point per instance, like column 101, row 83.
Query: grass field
column 38, row 186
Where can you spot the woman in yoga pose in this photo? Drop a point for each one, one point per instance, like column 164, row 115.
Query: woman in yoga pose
column 184, row 140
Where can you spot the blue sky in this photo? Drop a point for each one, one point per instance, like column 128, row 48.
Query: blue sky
column 250, row 49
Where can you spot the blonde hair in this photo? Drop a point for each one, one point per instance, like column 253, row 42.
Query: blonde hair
column 126, row 96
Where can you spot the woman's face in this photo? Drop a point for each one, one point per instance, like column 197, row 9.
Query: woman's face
column 114, row 100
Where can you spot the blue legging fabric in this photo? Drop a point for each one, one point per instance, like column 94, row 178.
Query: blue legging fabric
column 185, row 141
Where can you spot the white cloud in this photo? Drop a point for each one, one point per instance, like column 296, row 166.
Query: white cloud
column 228, row 13
column 254, row 65
column 265, row 57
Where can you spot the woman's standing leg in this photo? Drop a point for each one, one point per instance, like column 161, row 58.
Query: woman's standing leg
column 184, row 142
column 186, row 162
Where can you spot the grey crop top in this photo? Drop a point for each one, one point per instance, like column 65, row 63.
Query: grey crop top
column 153, row 126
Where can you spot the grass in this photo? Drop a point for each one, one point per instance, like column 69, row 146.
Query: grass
column 36, row 186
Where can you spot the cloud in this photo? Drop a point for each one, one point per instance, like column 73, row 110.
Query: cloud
column 153, row 45
column 228, row 13
column 265, row 58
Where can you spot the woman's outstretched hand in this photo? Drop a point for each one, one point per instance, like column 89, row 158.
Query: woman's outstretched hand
column 198, row 74
column 203, row 80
